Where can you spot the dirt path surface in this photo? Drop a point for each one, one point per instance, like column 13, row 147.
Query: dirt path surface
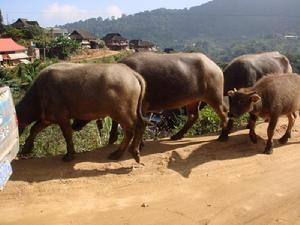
column 192, row 181
column 90, row 54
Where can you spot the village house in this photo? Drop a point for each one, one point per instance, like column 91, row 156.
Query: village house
column 23, row 23
column 115, row 41
column 86, row 39
column 56, row 32
column 12, row 53
column 141, row 45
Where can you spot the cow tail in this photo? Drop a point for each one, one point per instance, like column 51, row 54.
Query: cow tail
column 287, row 65
column 141, row 100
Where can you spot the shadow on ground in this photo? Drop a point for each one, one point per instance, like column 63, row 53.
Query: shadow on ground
column 202, row 151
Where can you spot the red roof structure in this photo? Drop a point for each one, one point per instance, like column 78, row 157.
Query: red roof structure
column 9, row 45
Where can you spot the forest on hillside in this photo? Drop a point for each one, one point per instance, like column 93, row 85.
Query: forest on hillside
column 219, row 20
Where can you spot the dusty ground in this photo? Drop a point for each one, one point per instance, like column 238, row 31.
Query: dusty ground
column 89, row 54
column 193, row 181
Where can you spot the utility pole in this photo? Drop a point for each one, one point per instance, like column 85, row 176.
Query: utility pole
column 7, row 23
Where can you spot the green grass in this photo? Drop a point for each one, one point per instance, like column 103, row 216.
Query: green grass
column 50, row 141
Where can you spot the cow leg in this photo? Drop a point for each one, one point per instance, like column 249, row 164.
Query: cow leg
column 137, row 141
column 67, row 131
column 221, row 111
column 271, row 128
column 252, row 123
column 35, row 129
column 99, row 126
column 113, row 135
column 128, row 134
column 287, row 135
column 192, row 111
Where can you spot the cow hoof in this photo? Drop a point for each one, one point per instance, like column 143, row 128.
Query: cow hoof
column 223, row 138
column 68, row 157
column 268, row 151
column 176, row 137
column 283, row 140
column 115, row 155
column 136, row 157
column 253, row 138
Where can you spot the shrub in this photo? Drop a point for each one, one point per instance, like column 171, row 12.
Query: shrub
column 62, row 47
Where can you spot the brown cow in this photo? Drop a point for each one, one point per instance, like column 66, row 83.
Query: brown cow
column 180, row 79
column 244, row 71
column 84, row 91
column 269, row 98
column 176, row 80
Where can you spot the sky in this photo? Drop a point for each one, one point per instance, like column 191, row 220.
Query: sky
column 51, row 12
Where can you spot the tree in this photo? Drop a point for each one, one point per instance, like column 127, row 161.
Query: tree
column 32, row 32
column 12, row 32
column 1, row 23
column 62, row 47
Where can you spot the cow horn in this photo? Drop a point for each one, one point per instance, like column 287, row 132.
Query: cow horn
column 235, row 90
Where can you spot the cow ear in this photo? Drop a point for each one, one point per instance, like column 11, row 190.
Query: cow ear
column 230, row 93
column 255, row 98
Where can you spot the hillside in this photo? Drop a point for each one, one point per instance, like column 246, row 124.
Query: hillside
column 219, row 20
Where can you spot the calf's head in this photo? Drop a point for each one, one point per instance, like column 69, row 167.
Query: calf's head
column 242, row 102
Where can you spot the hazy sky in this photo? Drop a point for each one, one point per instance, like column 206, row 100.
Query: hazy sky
column 50, row 12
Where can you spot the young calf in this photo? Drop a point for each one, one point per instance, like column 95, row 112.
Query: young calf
column 269, row 98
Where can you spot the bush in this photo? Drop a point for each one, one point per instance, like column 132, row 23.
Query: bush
column 62, row 47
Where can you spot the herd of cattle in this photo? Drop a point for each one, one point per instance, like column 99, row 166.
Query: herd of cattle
column 152, row 82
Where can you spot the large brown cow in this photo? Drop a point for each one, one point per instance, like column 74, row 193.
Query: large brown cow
column 271, row 97
column 176, row 80
column 84, row 92
column 246, row 70
column 243, row 71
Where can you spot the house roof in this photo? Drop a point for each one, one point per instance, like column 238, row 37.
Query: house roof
column 9, row 45
column 27, row 22
column 114, row 37
column 84, row 34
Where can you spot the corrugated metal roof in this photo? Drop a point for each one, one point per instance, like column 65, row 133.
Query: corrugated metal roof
column 8, row 45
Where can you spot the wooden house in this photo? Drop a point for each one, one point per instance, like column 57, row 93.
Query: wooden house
column 83, row 37
column 115, row 41
column 23, row 23
column 141, row 45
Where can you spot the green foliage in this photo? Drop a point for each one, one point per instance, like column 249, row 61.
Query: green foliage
column 62, row 47
column 221, row 20
column 50, row 141
column 12, row 32
column 21, row 77
column 25, row 34
column 32, row 32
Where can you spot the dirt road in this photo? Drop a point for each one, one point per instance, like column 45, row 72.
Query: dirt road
column 192, row 181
